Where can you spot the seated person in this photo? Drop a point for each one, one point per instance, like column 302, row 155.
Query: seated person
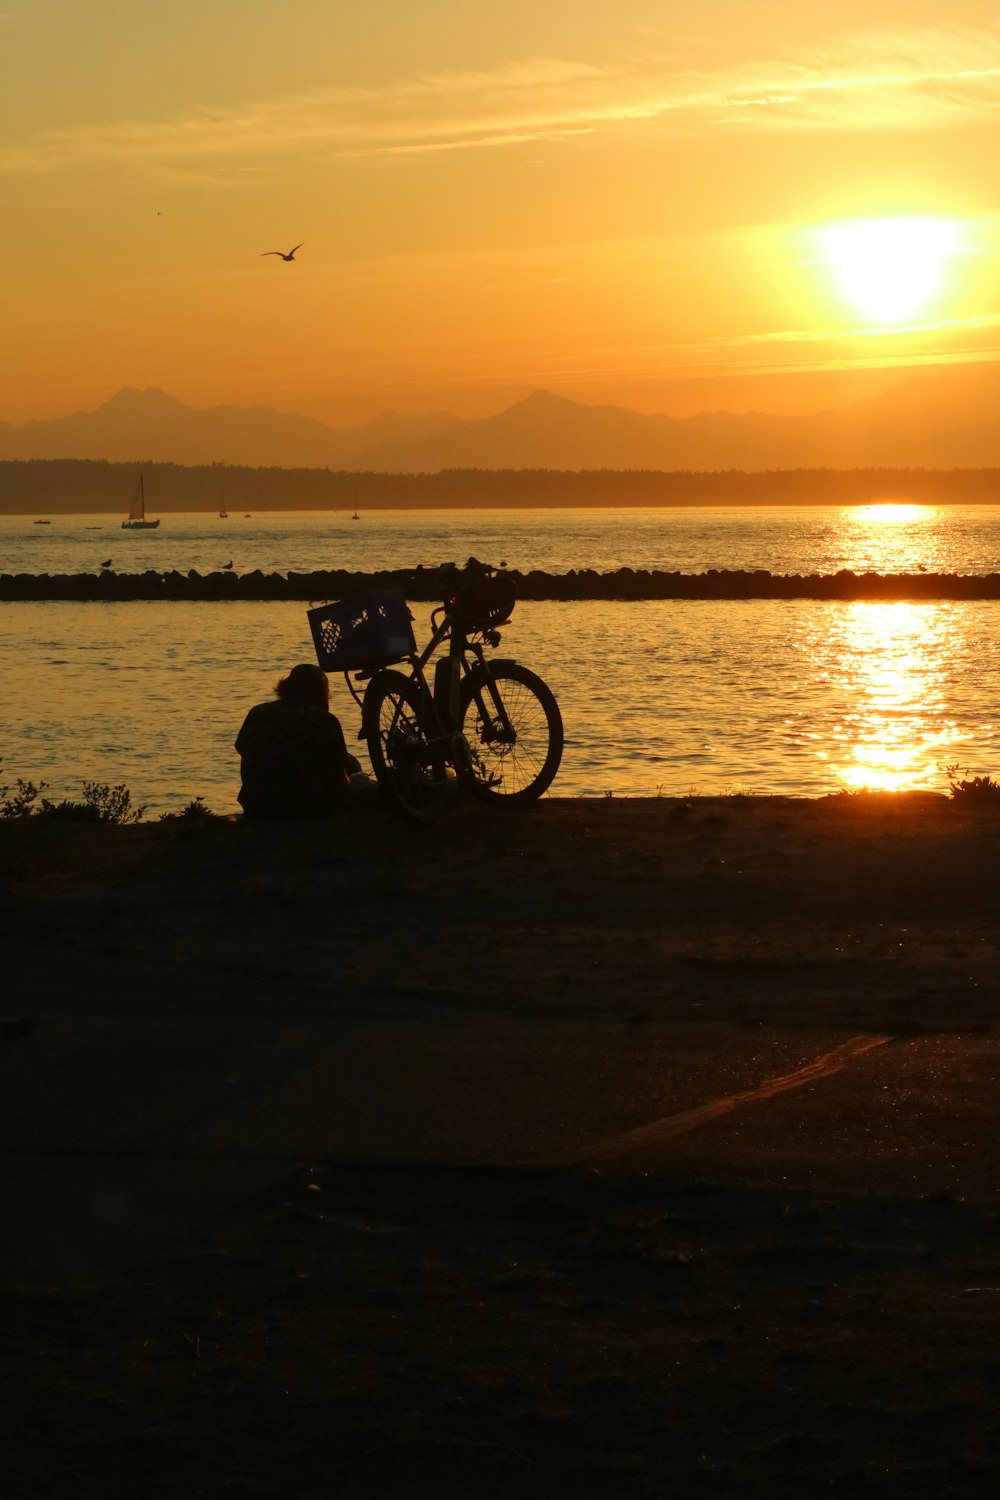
column 293, row 759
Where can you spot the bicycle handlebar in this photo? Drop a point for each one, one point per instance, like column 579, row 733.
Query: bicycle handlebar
column 470, row 570
column 476, row 597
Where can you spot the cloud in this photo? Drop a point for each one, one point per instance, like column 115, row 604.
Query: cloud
column 921, row 80
column 867, row 331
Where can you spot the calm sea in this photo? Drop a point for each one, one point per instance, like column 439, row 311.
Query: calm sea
column 799, row 697
column 785, row 539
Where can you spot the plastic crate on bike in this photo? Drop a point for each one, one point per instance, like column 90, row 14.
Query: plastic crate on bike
column 365, row 632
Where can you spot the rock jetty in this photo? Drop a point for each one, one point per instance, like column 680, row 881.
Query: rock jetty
column 424, row 584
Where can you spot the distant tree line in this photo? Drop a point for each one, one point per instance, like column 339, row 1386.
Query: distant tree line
column 64, row 486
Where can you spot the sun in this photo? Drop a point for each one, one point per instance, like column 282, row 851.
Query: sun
column 890, row 268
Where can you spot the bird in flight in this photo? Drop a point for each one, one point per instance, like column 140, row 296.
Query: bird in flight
column 289, row 256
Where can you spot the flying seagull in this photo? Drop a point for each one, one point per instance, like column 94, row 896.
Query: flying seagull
column 289, row 256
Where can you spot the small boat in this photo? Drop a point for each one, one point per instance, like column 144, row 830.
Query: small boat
column 223, row 513
column 43, row 523
column 355, row 517
column 137, row 512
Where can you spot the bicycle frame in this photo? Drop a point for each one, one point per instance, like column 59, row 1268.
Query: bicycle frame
column 443, row 732
column 489, row 723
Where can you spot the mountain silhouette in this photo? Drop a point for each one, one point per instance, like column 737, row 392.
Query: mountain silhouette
column 150, row 426
column 939, row 418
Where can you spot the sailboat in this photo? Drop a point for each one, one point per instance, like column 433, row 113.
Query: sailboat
column 223, row 513
column 137, row 512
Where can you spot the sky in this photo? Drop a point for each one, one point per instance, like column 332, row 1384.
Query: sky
column 673, row 206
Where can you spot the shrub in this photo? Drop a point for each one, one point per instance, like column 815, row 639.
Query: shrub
column 974, row 789
column 101, row 804
column 195, row 812
column 21, row 802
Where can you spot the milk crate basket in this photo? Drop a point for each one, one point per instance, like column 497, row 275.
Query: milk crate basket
column 367, row 631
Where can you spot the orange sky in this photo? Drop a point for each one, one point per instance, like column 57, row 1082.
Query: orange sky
column 627, row 203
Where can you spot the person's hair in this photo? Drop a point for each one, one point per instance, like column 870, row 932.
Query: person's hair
column 305, row 684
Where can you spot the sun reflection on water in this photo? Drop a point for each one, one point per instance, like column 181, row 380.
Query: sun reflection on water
column 894, row 734
column 893, row 513
column 892, row 537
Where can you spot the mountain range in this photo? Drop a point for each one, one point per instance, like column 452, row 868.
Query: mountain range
column 934, row 418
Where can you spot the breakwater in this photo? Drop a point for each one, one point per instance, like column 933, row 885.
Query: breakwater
column 425, row 585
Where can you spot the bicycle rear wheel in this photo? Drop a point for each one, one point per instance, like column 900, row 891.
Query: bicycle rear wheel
column 514, row 729
column 408, row 769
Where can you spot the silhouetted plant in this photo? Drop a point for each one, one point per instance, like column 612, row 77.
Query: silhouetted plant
column 975, row 788
column 194, row 812
column 101, row 804
column 21, row 802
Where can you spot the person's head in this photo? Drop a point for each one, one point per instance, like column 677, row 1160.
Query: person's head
column 305, row 684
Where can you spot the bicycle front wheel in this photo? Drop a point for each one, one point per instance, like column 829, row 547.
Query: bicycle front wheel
column 514, row 729
column 408, row 769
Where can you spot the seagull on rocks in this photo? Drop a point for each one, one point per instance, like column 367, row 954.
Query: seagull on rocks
column 106, row 564
column 226, row 567
column 289, row 256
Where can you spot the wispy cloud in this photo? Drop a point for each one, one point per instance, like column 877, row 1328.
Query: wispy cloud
column 867, row 331
column 919, row 80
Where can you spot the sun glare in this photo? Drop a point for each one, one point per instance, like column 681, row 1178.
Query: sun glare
column 890, row 268
column 892, row 512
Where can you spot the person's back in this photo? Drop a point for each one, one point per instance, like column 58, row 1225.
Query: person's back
column 293, row 759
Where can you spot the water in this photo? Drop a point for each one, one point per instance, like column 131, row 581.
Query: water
column 785, row 539
column 801, row 697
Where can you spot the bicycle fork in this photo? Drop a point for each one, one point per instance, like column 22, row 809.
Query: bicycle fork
column 496, row 730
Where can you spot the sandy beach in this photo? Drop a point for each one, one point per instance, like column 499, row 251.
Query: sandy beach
column 612, row 1148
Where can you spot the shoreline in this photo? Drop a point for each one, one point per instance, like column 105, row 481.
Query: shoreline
column 762, row 887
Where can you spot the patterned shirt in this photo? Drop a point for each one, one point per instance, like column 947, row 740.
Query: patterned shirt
column 293, row 760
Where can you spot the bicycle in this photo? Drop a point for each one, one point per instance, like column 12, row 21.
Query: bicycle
column 490, row 724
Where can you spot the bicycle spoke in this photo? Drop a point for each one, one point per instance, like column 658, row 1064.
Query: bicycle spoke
column 408, row 769
column 517, row 749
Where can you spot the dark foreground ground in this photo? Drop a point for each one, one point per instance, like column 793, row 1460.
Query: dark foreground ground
column 621, row 1148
